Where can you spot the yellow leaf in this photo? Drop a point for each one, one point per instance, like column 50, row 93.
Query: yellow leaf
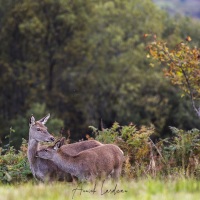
column 179, row 73
column 148, row 56
column 151, row 64
column 153, row 53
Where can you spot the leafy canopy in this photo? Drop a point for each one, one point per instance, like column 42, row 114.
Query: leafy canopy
column 183, row 65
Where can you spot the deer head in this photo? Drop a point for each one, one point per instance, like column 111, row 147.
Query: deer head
column 38, row 131
column 48, row 152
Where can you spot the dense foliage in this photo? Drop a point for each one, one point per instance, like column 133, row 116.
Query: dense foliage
column 14, row 167
column 175, row 156
column 83, row 61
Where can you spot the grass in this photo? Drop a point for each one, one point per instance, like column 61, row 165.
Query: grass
column 147, row 189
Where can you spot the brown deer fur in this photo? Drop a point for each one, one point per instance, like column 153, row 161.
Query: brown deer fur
column 100, row 161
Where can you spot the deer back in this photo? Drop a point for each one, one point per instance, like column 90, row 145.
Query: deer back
column 75, row 148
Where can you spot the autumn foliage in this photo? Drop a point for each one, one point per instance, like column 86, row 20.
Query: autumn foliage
column 182, row 65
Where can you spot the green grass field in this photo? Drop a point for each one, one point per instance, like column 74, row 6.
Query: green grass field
column 147, row 189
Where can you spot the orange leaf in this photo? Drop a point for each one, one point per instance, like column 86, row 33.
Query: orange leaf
column 188, row 38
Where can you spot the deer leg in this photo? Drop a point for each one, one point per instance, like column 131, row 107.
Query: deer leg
column 117, row 172
column 74, row 180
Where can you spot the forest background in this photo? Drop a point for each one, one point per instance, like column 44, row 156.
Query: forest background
column 85, row 62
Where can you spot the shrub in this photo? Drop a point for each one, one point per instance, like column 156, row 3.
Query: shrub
column 177, row 155
column 181, row 151
column 14, row 166
column 135, row 143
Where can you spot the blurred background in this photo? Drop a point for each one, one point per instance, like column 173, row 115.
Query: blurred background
column 85, row 63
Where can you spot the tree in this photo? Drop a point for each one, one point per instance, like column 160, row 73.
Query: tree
column 114, row 65
column 183, row 68
column 84, row 61
column 38, row 41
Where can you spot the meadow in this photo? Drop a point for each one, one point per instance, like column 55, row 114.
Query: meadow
column 143, row 189
column 166, row 170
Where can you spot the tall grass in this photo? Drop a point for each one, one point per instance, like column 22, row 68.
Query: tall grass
column 146, row 189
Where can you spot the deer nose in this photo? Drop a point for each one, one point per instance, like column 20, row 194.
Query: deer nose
column 52, row 139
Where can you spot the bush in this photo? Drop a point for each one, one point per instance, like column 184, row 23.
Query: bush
column 135, row 143
column 177, row 155
column 182, row 150
column 14, row 166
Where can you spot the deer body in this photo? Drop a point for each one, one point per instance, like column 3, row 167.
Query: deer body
column 42, row 169
column 100, row 161
column 75, row 148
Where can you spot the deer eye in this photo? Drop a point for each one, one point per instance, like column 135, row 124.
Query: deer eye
column 45, row 150
column 38, row 129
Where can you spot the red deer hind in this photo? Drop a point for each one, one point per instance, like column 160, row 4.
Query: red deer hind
column 42, row 169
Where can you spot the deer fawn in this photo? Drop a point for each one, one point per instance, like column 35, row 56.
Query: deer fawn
column 100, row 161
column 44, row 170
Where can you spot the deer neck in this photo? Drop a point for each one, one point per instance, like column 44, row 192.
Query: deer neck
column 32, row 149
column 66, row 163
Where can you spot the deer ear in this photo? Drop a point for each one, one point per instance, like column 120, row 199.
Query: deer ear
column 62, row 141
column 56, row 146
column 59, row 143
column 45, row 119
column 31, row 121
